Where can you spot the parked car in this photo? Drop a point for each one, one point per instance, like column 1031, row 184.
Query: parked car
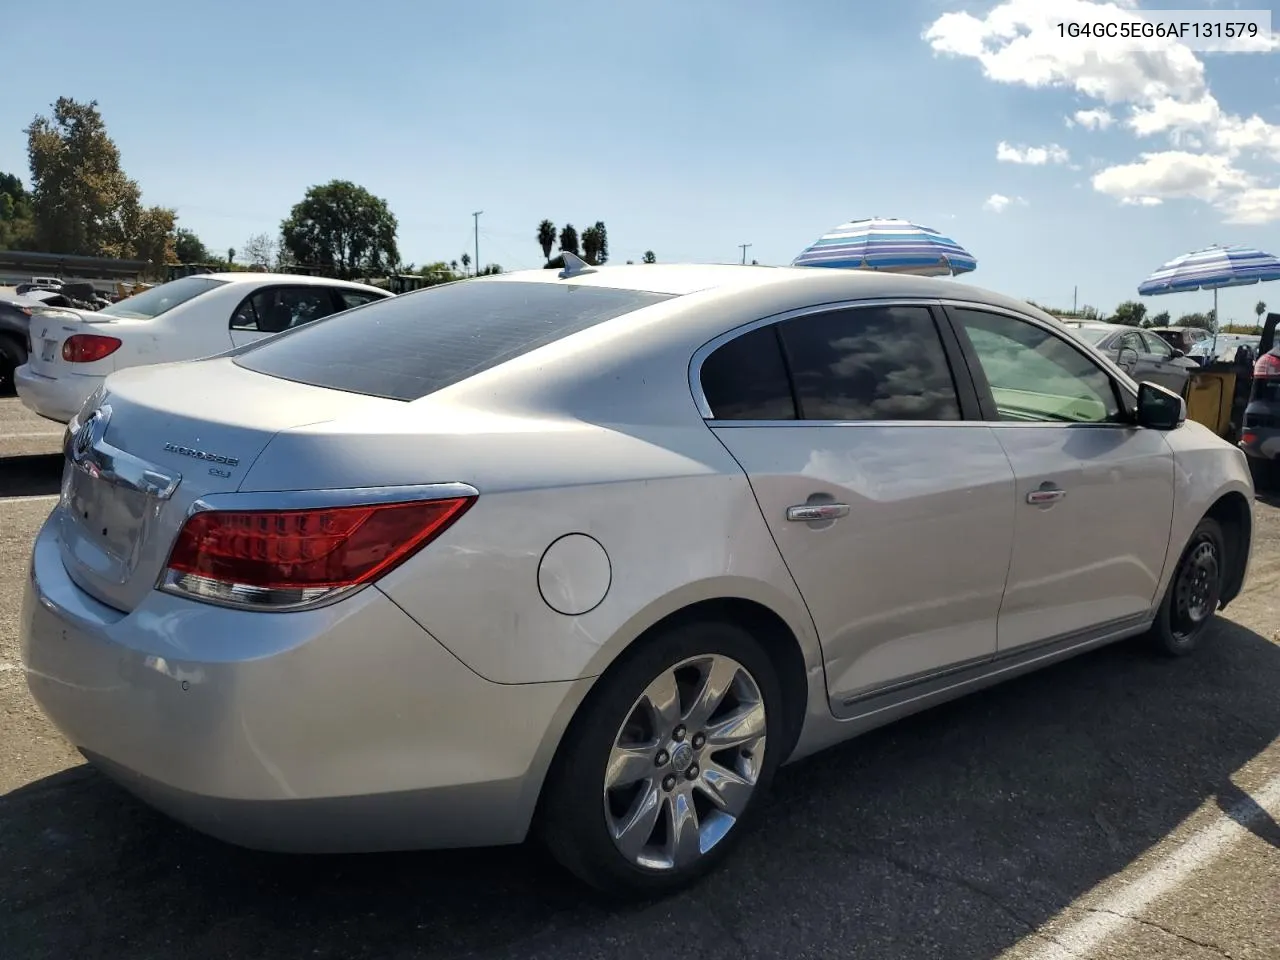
column 198, row 316
column 1260, row 435
column 15, row 314
column 1138, row 353
column 1181, row 338
column 1224, row 348
column 590, row 554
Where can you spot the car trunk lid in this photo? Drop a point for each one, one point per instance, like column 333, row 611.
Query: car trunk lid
column 51, row 327
column 157, row 440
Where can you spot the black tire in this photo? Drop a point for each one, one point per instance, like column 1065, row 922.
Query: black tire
column 573, row 821
column 12, row 356
column 1194, row 591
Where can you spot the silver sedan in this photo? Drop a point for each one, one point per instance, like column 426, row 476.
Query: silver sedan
column 1139, row 353
column 591, row 555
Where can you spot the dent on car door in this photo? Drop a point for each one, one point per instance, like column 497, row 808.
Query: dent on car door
column 1094, row 491
column 892, row 513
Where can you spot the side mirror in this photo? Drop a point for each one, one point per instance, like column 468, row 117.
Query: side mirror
column 1127, row 359
column 1179, row 353
column 1158, row 408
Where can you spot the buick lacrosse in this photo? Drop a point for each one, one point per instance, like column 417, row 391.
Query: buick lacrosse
column 589, row 555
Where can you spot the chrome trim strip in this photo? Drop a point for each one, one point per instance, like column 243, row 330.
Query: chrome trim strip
column 87, row 451
column 331, row 497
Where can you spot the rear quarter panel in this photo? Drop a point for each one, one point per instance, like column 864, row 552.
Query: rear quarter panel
column 672, row 510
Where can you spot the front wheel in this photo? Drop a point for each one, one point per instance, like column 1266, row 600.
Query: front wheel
column 667, row 761
column 1194, row 591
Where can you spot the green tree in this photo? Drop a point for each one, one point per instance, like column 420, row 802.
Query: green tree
column 466, row 262
column 546, row 238
column 344, row 228
column 231, row 255
column 189, row 248
column 1161, row 319
column 82, row 202
column 261, row 251
column 1130, row 313
column 602, row 240
column 1259, row 309
column 649, row 257
column 591, row 245
column 1202, row 320
column 491, row 270
column 16, row 225
column 569, row 239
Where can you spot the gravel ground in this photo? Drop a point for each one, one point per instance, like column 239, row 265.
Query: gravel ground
column 1114, row 806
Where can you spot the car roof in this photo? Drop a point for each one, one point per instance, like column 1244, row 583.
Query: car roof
column 712, row 279
column 1096, row 325
column 301, row 279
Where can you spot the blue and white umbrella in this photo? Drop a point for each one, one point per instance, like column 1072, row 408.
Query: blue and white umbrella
column 895, row 246
column 1212, row 268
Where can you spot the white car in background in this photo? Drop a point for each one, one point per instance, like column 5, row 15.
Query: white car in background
column 72, row 351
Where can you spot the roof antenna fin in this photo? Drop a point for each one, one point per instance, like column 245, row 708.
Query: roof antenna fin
column 574, row 265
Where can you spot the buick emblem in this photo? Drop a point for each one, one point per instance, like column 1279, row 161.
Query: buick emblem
column 89, row 433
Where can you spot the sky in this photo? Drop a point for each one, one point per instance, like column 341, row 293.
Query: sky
column 1068, row 168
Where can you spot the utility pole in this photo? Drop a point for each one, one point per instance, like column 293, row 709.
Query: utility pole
column 1074, row 293
column 744, row 252
column 475, row 217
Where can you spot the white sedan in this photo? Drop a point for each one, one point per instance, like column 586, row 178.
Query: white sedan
column 71, row 351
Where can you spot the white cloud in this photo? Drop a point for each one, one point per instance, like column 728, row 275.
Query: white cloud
column 997, row 202
column 1160, row 89
column 1098, row 119
column 1034, row 156
column 1172, row 174
column 1141, row 201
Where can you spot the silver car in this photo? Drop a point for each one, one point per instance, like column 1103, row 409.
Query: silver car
column 589, row 556
column 1139, row 353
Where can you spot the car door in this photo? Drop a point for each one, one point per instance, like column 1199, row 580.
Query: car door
column 893, row 513
column 1165, row 369
column 1094, row 491
column 1130, row 353
column 273, row 309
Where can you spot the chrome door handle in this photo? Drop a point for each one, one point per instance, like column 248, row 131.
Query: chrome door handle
column 808, row 512
column 1045, row 495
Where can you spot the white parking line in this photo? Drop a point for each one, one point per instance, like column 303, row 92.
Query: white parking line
column 32, row 435
column 1105, row 918
column 31, row 499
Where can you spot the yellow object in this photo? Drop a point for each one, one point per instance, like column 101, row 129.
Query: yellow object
column 1209, row 396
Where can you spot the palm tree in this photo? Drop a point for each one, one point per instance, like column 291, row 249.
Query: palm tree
column 649, row 257
column 569, row 239
column 1259, row 308
column 466, row 261
column 591, row 245
column 546, row 238
column 453, row 265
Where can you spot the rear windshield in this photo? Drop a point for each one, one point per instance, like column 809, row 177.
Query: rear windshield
column 151, row 303
column 406, row 347
column 1091, row 334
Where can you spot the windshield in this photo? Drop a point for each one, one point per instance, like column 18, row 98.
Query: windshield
column 406, row 347
column 151, row 303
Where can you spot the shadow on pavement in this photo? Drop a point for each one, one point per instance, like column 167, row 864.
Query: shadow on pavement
column 952, row 834
column 30, row 476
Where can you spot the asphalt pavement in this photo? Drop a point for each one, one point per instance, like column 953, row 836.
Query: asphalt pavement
column 1114, row 806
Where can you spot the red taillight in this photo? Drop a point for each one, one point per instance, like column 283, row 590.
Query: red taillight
column 280, row 558
column 88, row 347
column 1268, row 365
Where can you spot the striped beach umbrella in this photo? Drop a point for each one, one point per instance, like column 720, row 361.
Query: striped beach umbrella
column 895, row 246
column 1212, row 268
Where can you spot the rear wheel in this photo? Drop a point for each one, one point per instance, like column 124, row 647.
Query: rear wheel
column 12, row 356
column 1194, row 591
column 667, row 762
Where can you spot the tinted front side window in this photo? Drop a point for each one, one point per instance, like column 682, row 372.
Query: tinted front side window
column 746, row 379
column 1037, row 376
column 274, row 309
column 151, row 303
column 870, row 363
column 408, row 346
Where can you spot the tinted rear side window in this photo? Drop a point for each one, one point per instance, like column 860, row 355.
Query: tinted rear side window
column 870, row 363
column 408, row 346
column 746, row 379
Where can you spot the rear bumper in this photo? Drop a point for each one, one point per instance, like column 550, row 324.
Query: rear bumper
column 57, row 398
column 1262, row 443
column 342, row 729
